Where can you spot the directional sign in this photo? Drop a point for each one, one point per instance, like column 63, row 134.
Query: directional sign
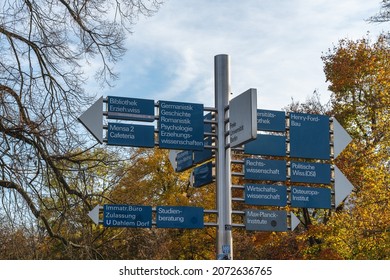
column 130, row 135
column 261, row 169
column 269, row 120
column 243, row 121
column 117, row 215
column 92, row 119
column 184, row 160
column 202, row 175
column 308, row 172
column 267, row 145
column 94, row 214
column 172, row 158
column 206, row 154
column 181, row 126
column 294, row 221
column 309, row 136
column 130, row 109
column 179, row 217
column 343, row 186
column 266, row 220
column 341, row 138
column 307, row 197
column 271, row 195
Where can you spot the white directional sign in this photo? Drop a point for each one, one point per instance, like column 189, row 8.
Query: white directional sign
column 341, row 138
column 94, row 214
column 243, row 118
column 92, row 119
column 294, row 221
column 172, row 158
column 343, row 186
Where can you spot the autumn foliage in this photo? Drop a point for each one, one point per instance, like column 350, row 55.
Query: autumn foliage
column 358, row 73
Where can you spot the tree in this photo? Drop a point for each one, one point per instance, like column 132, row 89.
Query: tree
column 44, row 47
column 358, row 73
column 384, row 13
column 152, row 181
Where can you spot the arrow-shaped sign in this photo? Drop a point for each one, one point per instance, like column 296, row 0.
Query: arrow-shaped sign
column 343, row 186
column 294, row 221
column 172, row 158
column 92, row 119
column 341, row 138
column 94, row 214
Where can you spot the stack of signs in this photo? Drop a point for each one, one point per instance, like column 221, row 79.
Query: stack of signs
column 180, row 125
column 131, row 135
column 136, row 216
column 299, row 151
column 310, row 139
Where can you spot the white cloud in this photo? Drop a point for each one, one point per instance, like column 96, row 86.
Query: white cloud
column 275, row 46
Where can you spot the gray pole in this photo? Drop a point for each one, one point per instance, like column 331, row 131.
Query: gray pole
column 224, row 202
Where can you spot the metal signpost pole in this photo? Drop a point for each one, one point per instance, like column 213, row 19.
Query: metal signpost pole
column 223, row 171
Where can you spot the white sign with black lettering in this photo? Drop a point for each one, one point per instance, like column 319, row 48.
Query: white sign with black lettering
column 243, row 118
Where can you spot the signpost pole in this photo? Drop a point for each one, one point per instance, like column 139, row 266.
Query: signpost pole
column 223, row 171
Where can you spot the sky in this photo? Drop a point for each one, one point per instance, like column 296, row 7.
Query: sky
column 275, row 46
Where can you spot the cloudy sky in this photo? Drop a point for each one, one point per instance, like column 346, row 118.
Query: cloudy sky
column 275, row 46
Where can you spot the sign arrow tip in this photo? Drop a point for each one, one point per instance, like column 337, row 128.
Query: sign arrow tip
column 94, row 214
column 341, row 138
column 343, row 186
column 294, row 221
column 92, row 119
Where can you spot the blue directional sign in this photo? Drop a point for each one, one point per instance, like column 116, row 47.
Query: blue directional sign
column 270, row 195
column 266, row 220
column 206, row 154
column 130, row 109
column 202, row 175
column 119, row 215
column 269, row 120
column 307, row 197
column 181, row 126
column 309, row 136
column 267, row 145
column 308, row 172
column 179, row 217
column 130, row 135
column 184, row 160
column 261, row 169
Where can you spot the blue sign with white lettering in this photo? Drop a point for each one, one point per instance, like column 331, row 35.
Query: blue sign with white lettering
column 269, row 120
column 307, row 197
column 267, row 145
column 309, row 136
column 181, row 126
column 179, row 217
column 308, row 172
column 130, row 109
column 184, row 160
column 262, row 169
column 202, row 175
column 120, row 215
column 130, row 135
column 270, row 195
